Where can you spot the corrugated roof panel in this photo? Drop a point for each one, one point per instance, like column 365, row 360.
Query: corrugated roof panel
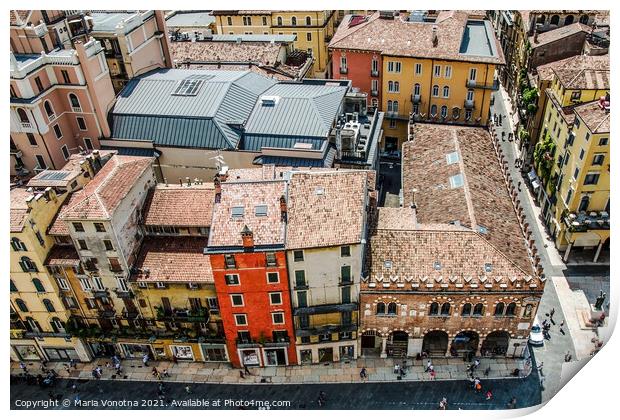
column 256, row 142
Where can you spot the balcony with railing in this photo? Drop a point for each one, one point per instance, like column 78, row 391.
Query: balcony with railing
column 106, row 312
column 473, row 84
column 100, row 293
column 182, row 315
column 374, row 93
column 344, row 70
column 469, row 104
column 585, row 221
column 416, row 98
column 124, row 294
column 280, row 341
column 374, row 73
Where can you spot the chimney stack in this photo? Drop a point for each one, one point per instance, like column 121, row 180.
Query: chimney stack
column 248, row 238
column 283, row 209
column 435, row 38
column 96, row 160
column 535, row 36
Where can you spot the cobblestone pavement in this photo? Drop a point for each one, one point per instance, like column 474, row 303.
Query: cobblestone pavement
column 378, row 370
column 372, row 395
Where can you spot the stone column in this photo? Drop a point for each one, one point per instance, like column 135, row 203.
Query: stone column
column 383, row 347
column 598, row 251
column 414, row 346
column 570, row 245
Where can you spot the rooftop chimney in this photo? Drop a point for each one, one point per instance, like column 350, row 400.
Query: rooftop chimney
column 247, row 237
column 96, row 160
column 435, row 39
column 535, row 36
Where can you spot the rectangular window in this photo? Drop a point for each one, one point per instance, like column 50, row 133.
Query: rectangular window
column 418, row 68
column 264, row 20
column 160, row 285
column 604, row 141
column 85, row 284
column 273, row 278
column 65, row 76
column 374, row 85
column 472, row 74
column 345, row 251
column 375, row 65
column 57, row 131
column 78, row 227
column 343, row 62
column 81, row 123
column 437, row 71
column 448, row 72
column 241, row 319
column 115, row 265
column 300, row 278
column 270, row 258
column 232, row 279
column 302, row 299
column 37, row 80
column 277, row 317
column 308, row 36
column 275, row 298
column 236, row 300
column 582, row 154
column 88, row 143
column 82, row 244
column 392, row 123
column 244, row 336
column 229, row 259
column 346, row 294
column 122, row 283
column 31, row 139
column 576, row 174
column 598, row 159
column 65, row 152
column 569, row 195
column 591, row 179
column 62, row 283
column 298, row 256
column 346, row 318
column 108, row 245
column 304, row 322
column 214, row 305
column 345, row 274
column 99, row 227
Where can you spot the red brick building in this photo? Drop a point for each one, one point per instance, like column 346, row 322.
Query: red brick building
column 246, row 248
column 362, row 67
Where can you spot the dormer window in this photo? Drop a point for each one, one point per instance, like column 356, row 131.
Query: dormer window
column 237, row 212
column 387, row 264
column 260, row 210
column 437, row 265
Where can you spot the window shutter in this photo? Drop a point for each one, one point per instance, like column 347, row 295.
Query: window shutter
column 14, row 246
column 23, row 266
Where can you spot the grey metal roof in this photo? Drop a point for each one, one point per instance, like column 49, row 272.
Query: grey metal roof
column 301, row 110
column 257, row 142
column 190, row 20
column 131, row 151
column 147, row 109
column 327, row 161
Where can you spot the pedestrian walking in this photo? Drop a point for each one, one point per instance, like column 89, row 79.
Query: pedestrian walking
column 165, row 373
column 432, row 375
column 489, row 395
column 94, row 373
column 99, row 372
column 476, row 364
column 487, row 371
column 551, row 313
column 562, row 329
column 23, row 367
column 363, row 374
column 245, row 368
column 443, row 404
column 500, row 119
column 429, row 364
column 568, row 357
column 241, row 375
column 396, row 368
column 154, row 371
column 68, row 369
column 108, row 365
column 145, row 360
column 519, row 185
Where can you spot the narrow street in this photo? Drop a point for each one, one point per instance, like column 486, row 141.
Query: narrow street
column 560, row 277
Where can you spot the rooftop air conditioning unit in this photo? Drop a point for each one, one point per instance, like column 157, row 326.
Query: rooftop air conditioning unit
column 269, row 100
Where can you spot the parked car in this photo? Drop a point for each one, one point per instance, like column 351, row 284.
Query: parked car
column 536, row 334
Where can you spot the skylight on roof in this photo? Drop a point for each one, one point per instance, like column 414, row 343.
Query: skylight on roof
column 237, row 212
column 456, row 181
column 387, row 264
column 452, row 158
column 188, row 87
column 483, row 230
column 488, row 267
column 261, row 210
column 437, row 265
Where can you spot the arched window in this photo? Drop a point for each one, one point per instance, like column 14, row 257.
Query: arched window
column 499, row 309
column 389, row 105
column 585, row 202
column 527, row 313
column 27, row 265
column 446, row 91
column 38, row 285
column 380, row 308
column 555, row 19
column 48, row 305
column 444, row 111
column 308, row 21
column 49, row 110
column 584, row 19
column 511, row 309
column 294, row 21
column 279, row 20
column 433, row 110
column 569, row 19
column 18, row 245
column 57, row 325
column 435, row 90
column 396, row 86
column 75, row 103
column 479, row 309
column 445, row 309
column 21, row 305
column 391, row 308
column 416, row 89
column 541, row 19
column 434, row 309
column 456, row 113
column 23, row 117
column 466, row 311
column 395, row 106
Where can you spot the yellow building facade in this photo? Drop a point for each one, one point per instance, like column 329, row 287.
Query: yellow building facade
column 436, row 90
column 313, row 29
column 572, row 161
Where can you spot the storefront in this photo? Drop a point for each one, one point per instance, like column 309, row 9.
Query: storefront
column 214, row 352
column 101, row 349
column 182, row 353
column 275, row 356
column 61, row 354
column 249, row 357
column 136, row 350
column 26, row 352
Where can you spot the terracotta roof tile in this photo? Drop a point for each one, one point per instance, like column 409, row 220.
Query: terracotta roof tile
column 482, row 203
column 177, row 205
column 23, row 17
column 558, row 34
column 19, row 208
column 59, row 227
column 63, row 256
column 173, row 259
column 595, row 117
column 397, row 37
column 584, row 72
column 326, row 208
column 100, row 197
column 267, row 229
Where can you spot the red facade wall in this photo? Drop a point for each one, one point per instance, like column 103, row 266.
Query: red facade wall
column 359, row 66
column 252, row 270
